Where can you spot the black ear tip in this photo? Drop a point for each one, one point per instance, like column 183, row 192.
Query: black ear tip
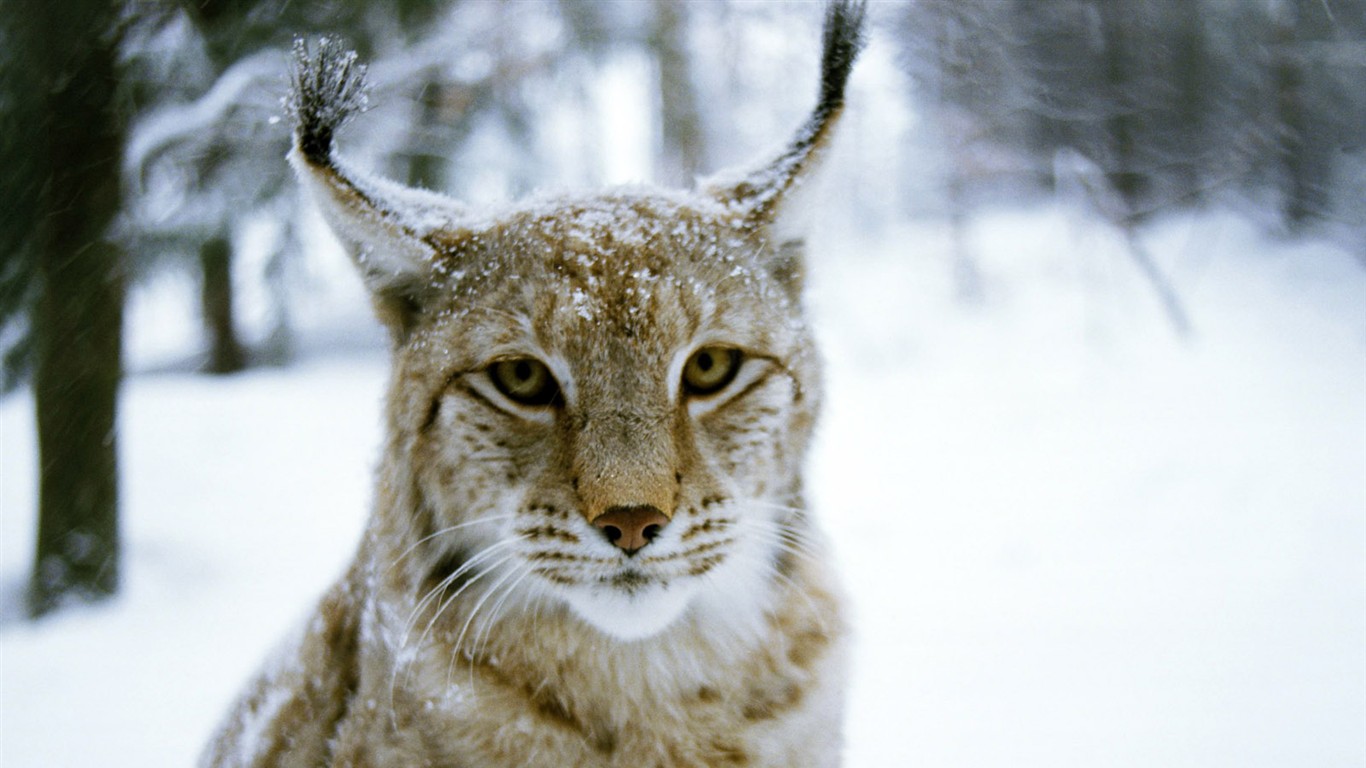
column 327, row 88
column 844, row 37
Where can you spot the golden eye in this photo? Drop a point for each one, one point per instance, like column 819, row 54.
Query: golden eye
column 526, row 381
column 710, row 369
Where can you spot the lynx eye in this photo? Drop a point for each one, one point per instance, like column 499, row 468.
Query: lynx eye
column 710, row 369
column 525, row 380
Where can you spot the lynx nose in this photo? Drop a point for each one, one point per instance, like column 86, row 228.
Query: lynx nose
column 631, row 528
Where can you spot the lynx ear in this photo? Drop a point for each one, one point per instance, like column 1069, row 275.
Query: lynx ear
column 386, row 228
column 766, row 196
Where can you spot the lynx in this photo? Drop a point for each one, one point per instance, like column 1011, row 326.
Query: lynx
column 589, row 545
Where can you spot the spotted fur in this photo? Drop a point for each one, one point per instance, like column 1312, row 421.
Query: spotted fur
column 486, row 620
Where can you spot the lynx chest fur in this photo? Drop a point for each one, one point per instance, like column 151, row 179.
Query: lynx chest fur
column 589, row 545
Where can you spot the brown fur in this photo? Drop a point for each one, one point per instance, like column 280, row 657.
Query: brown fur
column 485, row 620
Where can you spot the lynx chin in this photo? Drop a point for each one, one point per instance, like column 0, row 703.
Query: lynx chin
column 589, row 545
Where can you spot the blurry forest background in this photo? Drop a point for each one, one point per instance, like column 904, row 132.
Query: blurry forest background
column 143, row 172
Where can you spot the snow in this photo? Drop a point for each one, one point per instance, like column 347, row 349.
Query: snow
column 177, row 123
column 243, row 498
column 1078, row 541
column 1072, row 538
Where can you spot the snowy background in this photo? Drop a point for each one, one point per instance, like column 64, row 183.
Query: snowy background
column 1073, row 536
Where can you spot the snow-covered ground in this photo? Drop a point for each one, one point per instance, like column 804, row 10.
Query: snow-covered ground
column 1073, row 538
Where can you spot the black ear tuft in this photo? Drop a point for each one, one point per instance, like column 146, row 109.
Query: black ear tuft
column 761, row 192
column 327, row 88
column 843, row 38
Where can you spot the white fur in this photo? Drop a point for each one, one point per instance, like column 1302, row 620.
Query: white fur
column 636, row 616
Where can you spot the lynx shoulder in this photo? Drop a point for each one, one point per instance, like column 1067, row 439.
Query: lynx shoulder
column 589, row 545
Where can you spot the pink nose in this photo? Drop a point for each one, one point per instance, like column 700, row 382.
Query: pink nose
column 631, row 528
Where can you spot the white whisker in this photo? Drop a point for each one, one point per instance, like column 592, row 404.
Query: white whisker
column 451, row 578
column 439, row 611
column 485, row 635
column 460, row 639
column 800, row 591
column 446, row 530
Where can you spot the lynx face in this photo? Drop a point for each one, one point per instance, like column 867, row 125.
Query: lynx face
column 608, row 401
column 599, row 401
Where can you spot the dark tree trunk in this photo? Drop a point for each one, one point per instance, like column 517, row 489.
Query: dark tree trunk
column 215, row 261
column 76, row 382
column 78, row 324
column 1193, row 100
column 220, row 23
column 683, row 153
column 1288, row 76
column 1303, row 155
column 426, row 161
column 1120, row 127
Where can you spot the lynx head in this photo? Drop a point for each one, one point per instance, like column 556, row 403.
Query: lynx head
column 601, row 400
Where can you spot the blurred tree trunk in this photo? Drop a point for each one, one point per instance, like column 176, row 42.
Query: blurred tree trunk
column 70, row 51
column 426, row 165
column 1193, row 100
column 1120, row 127
column 217, row 21
column 1304, row 158
column 1288, row 76
column 953, row 62
column 683, row 155
column 228, row 37
column 226, row 354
